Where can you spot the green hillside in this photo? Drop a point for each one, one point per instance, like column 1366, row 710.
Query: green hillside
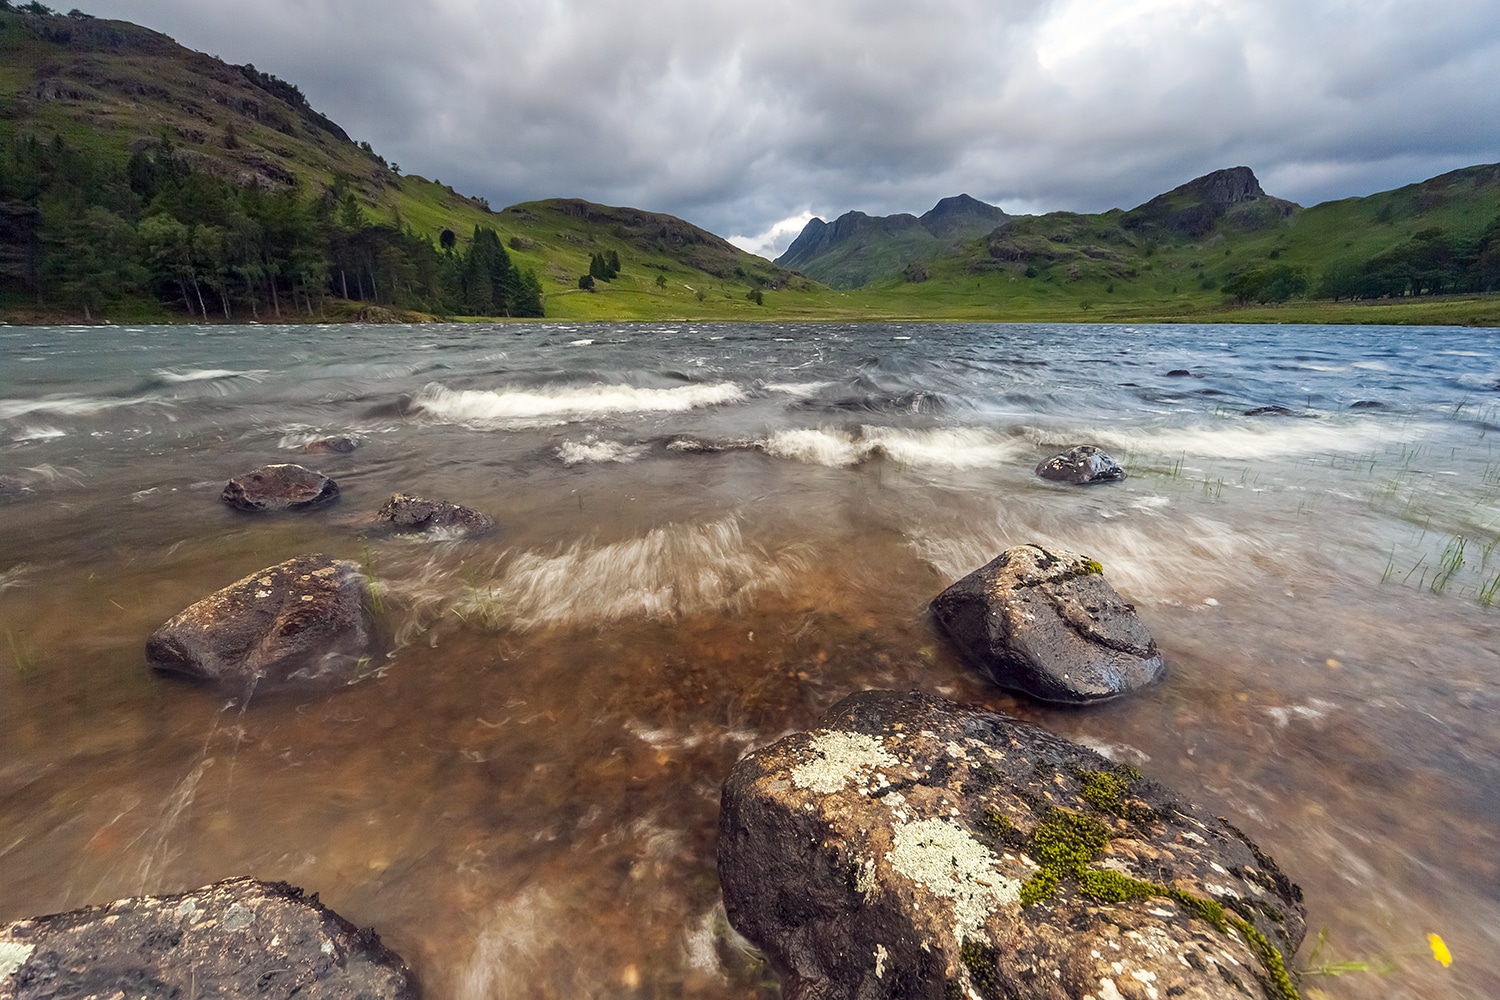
column 141, row 179
column 1218, row 246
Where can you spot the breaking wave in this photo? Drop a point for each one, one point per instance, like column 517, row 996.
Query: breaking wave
column 950, row 448
column 536, row 407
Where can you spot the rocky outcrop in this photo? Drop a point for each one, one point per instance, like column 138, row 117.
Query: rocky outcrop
column 237, row 938
column 304, row 621
column 1047, row 623
column 413, row 513
column 1084, row 465
column 279, row 487
column 912, row 848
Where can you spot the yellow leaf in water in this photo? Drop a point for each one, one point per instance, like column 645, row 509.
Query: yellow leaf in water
column 1440, row 950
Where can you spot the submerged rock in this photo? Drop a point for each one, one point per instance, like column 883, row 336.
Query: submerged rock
column 279, row 487
column 912, row 848
column 303, row 621
column 1048, row 624
column 331, row 446
column 1082, row 466
column 236, row 938
column 1270, row 411
column 414, row 513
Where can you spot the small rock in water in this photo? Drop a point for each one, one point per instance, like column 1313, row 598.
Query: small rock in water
column 1082, row 466
column 1048, row 624
column 279, row 487
column 304, row 621
column 1367, row 404
column 1180, row 373
column 1270, row 411
column 238, row 938
column 914, row 848
column 414, row 513
column 333, row 445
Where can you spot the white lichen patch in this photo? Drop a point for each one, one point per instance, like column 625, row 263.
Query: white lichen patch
column 942, row 857
column 13, row 955
column 840, row 757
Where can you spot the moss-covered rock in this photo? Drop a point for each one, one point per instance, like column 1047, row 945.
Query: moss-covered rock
column 914, row 848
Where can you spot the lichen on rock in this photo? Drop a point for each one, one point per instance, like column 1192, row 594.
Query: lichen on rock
column 925, row 849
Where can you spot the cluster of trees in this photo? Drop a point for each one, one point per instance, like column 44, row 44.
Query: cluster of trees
column 602, row 267
column 1431, row 262
column 80, row 231
column 1275, row 283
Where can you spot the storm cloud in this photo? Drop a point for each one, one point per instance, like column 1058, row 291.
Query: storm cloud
column 748, row 119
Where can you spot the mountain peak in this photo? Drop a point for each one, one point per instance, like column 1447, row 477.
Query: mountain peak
column 1196, row 207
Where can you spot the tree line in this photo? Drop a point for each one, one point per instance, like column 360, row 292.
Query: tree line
column 1431, row 262
column 79, row 231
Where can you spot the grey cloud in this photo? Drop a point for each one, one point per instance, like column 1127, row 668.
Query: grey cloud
column 735, row 117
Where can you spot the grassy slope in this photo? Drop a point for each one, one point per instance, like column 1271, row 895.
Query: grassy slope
column 113, row 86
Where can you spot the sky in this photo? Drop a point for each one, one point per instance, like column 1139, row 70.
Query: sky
column 749, row 119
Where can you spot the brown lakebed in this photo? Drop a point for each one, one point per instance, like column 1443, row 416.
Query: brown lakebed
column 702, row 545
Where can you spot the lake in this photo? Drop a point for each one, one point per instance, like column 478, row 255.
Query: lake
column 709, row 533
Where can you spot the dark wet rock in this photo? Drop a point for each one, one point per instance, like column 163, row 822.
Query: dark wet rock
column 236, row 938
column 305, row 621
column 1367, row 404
column 1047, row 623
column 414, row 513
column 279, row 487
column 1270, row 411
column 1084, row 465
column 913, row 848
column 331, row 446
column 1181, row 373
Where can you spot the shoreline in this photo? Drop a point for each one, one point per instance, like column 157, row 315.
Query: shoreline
column 1481, row 311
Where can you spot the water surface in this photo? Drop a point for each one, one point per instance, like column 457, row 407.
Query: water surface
column 709, row 534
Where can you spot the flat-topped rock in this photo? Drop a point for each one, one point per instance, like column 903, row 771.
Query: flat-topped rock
column 408, row 512
column 304, row 621
column 912, row 848
column 1048, row 624
column 279, row 487
column 236, row 938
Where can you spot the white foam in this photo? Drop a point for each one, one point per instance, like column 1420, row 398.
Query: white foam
column 38, row 433
column 500, row 407
column 802, row 390
column 670, row 571
column 948, row 447
column 65, row 406
column 206, row 375
column 591, row 450
column 1250, row 438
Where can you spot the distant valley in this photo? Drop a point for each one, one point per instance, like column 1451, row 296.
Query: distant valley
column 142, row 180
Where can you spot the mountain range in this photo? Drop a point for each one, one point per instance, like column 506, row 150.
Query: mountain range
column 107, row 130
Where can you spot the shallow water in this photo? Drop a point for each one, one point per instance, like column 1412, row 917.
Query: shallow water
column 709, row 534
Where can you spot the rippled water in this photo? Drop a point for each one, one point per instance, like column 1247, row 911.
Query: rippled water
column 709, row 534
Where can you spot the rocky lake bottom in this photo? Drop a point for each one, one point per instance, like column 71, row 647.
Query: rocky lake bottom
column 707, row 536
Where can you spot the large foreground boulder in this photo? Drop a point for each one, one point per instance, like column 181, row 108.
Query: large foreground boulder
column 408, row 512
column 279, row 487
column 306, row 621
column 237, row 938
column 1084, row 465
column 1047, row 623
column 913, row 848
